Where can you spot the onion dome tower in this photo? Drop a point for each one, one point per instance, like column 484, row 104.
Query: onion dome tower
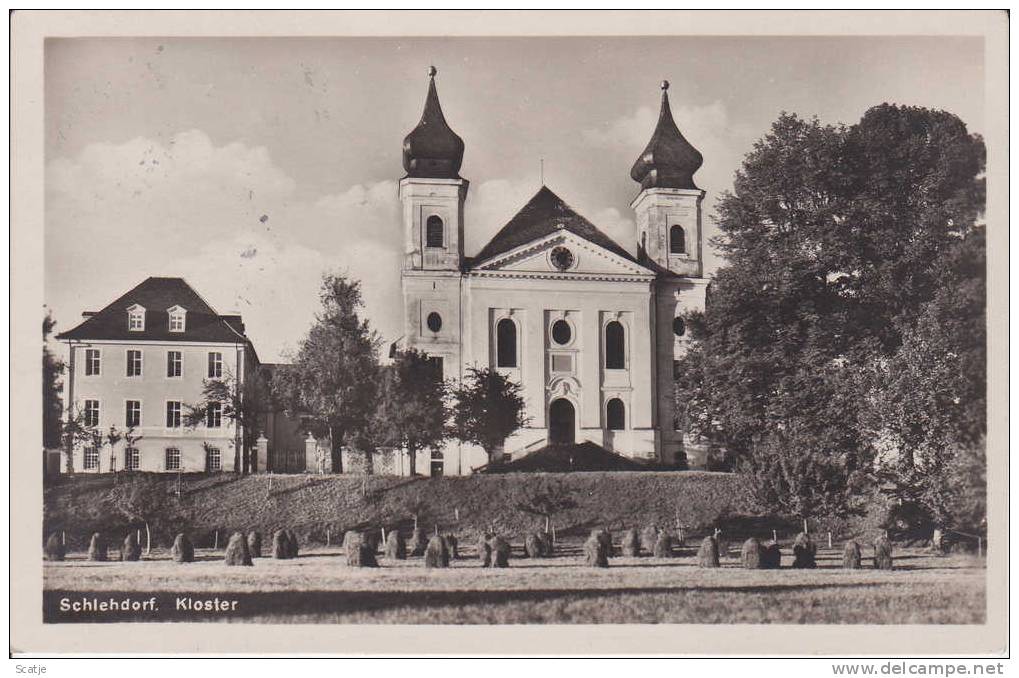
column 432, row 149
column 669, row 161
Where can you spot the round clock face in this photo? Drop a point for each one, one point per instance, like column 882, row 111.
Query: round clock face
column 562, row 258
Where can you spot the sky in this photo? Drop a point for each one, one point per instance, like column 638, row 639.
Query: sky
column 251, row 166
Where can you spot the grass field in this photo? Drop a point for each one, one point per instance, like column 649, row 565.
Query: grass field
column 319, row 587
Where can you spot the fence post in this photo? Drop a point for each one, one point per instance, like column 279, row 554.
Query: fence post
column 261, row 454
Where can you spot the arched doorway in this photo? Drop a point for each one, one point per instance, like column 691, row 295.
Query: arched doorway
column 561, row 422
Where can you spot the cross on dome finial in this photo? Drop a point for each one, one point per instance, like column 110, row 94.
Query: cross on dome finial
column 432, row 71
column 665, row 84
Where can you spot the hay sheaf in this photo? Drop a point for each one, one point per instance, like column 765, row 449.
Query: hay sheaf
column 605, row 537
column 97, row 548
column 852, row 557
column 663, row 545
column 485, row 550
column 452, row 545
column 707, row 554
column 280, row 545
column 883, row 553
column 500, row 552
column 295, row 547
column 396, row 547
column 595, row 553
column 255, row 544
column 54, row 548
column 648, row 537
column 752, row 554
column 436, row 553
column 237, row 551
column 182, row 551
column 358, row 550
column 771, row 556
column 804, row 552
column 533, row 546
column 546, row 544
column 630, row 544
column 418, row 542
column 130, row 550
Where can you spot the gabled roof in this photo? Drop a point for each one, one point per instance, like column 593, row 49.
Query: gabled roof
column 543, row 215
column 157, row 296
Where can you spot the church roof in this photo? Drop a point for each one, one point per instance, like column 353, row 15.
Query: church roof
column 669, row 160
column 433, row 150
column 541, row 216
column 157, row 296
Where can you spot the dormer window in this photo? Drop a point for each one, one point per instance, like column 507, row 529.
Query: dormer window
column 177, row 314
column 136, row 318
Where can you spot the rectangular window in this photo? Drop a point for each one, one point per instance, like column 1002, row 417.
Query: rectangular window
column 172, row 459
column 173, row 414
column 176, row 322
column 134, row 363
column 91, row 459
column 91, row 362
column 214, row 461
column 214, row 415
column 562, row 362
column 132, row 459
column 91, row 413
column 174, row 364
column 215, row 364
column 136, row 321
column 133, row 413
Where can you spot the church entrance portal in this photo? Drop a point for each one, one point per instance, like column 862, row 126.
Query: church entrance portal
column 561, row 422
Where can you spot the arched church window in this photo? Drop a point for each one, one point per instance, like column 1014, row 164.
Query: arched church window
column 678, row 326
column 506, row 343
column 434, row 232
column 677, row 240
column 434, row 321
column 615, row 415
column 615, row 346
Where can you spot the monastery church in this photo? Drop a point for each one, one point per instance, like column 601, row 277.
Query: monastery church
column 588, row 329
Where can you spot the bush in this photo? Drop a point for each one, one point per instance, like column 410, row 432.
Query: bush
column 631, row 543
column 707, row 554
column 255, row 544
column 237, row 551
column 358, row 550
column 882, row 553
column 648, row 537
column 851, row 556
column 436, row 553
column 751, row 555
column 804, row 552
column 130, row 550
column 182, row 551
column 500, row 552
column 280, row 545
column 54, row 548
column 533, row 547
column 396, row 547
column 485, row 550
column 418, row 542
column 771, row 556
column 97, row 549
column 451, row 545
column 595, row 553
column 663, row 545
column 294, row 547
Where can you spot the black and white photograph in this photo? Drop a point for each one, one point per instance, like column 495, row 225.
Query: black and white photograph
column 505, row 328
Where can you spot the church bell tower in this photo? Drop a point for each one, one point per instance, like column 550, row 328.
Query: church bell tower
column 433, row 195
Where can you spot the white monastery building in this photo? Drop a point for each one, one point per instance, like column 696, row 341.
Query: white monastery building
column 590, row 328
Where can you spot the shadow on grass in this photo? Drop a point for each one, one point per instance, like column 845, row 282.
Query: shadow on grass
column 173, row 607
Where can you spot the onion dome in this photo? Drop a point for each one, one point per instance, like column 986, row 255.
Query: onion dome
column 432, row 149
column 669, row 161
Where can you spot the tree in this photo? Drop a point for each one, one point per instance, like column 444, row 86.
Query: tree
column 245, row 405
column 548, row 497
column 487, row 409
column 144, row 501
column 332, row 382
column 834, row 237
column 413, row 411
column 52, row 369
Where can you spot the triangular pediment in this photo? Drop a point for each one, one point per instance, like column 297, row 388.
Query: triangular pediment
column 562, row 253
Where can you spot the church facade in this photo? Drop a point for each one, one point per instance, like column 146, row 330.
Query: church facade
column 590, row 328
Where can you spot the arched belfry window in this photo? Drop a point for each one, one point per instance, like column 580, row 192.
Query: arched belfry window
column 434, row 232
column 506, row 343
column 677, row 240
column 615, row 346
column 615, row 415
